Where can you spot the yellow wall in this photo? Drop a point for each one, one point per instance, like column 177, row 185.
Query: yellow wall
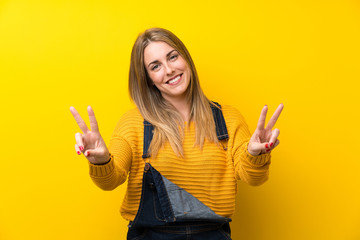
column 303, row 53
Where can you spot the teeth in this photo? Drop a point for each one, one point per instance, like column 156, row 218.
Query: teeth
column 174, row 80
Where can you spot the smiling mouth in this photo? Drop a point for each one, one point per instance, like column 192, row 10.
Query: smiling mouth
column 174, row 80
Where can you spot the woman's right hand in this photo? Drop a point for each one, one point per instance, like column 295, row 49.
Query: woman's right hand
column 90, row 143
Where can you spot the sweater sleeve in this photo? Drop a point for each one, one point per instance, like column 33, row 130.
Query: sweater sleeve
column 254, row 170
column 115, row 172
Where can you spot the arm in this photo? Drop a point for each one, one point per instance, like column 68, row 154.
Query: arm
column 106, row 173
column 252, row 155
column 253, row 170
column 114, row 173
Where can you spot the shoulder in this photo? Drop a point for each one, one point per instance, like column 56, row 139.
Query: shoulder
column 232, row 116
column 231, row 112
column 129, row 122
column 132, row 115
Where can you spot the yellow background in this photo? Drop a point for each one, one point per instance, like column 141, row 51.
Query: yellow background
column 303, row 53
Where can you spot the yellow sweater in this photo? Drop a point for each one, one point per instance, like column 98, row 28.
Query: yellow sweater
column 209, row 174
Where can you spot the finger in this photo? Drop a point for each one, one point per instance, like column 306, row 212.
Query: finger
column 261, row 122
column 256, row 148
column 93, row 123
column 79, row 120
column 274, row 135
column 267, row 147
column 276, row 143
column 80, row 141
column 97, row 153
column 274, row 117
column 77, row 149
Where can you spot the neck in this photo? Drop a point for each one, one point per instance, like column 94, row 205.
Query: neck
column 182, row 106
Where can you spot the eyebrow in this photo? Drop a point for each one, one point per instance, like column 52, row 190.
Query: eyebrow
column 167, row 55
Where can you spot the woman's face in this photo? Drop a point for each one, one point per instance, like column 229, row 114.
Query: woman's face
column 168, row 70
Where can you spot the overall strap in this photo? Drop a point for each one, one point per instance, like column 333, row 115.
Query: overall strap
column 221, row 130
column 148, row 135
column 220, row 125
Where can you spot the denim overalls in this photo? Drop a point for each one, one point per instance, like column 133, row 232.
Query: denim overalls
column 167, row 211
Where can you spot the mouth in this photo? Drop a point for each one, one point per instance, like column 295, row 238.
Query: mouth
column 175, row 80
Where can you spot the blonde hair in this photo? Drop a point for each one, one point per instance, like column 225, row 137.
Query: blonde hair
column 167, row 121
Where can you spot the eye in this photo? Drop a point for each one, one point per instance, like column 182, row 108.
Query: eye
column 174, row 57
column 154, row 67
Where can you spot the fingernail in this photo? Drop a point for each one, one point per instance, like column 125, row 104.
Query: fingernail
column 78, row 152
column 266, row 145
column 81, row 148
column 268, row 150
column 87, row 154
column 271, row 144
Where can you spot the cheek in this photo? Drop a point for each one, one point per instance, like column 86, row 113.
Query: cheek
column 187, row 70
column 184, row 66
column 156, row 77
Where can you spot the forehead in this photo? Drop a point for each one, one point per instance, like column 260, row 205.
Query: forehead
column 156, row 51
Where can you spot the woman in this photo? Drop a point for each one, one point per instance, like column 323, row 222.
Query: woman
column 181, row 153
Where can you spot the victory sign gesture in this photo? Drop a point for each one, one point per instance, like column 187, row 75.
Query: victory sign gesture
column 90, row 143
column 264, row 138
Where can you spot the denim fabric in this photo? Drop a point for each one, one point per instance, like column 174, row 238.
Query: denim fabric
column 221, row 130
column 188, row 208
column 163, row 202
column 166, row 211
column 148, row 136
column 186, row 231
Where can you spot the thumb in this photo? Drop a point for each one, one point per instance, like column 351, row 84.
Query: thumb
column 255, row 148
column 97, row 153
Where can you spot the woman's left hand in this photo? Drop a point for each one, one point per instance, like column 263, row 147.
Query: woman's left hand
column 265, row 139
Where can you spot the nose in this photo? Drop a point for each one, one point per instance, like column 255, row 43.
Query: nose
column 169, row 69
